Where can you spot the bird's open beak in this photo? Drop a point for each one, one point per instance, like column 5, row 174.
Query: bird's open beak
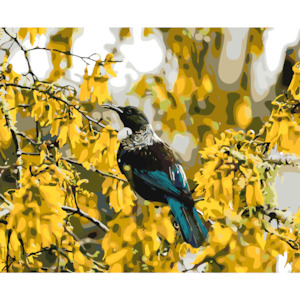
column 113, row 107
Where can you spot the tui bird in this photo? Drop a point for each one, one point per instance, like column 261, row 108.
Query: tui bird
column 154, row 172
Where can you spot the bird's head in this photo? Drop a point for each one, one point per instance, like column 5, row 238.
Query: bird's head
column 131, row 116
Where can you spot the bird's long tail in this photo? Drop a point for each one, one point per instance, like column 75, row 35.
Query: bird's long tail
column 192, row 228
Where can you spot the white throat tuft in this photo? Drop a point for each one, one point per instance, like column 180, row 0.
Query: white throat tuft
column 140, row 139
column 124, row 133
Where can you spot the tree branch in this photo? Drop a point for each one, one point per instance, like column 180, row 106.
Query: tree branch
column 7, row 167
column 52, row 247
column 6, row 210
column 93, row 169
column 15, row 140
column 86, row 253
column 25, row 54
column 77, row 107
column 73, row 188
column 72, row 54
column 85, row 215
column 21, row 105
column 90, row 119
column 7, row 265
column 28, row 138
column 71, row 161
column 290, row 242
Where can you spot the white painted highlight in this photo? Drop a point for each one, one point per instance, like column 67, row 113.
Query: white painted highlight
column 145, row 54
column 40, row 63
column 19, row 63
column 288, row 191
column 92, row 40
column 180, row 143
column 234, row 46
column 281, row 265
column 270, row 63
column 232, row 56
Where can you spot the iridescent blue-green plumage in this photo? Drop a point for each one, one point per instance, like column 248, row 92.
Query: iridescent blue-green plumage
column 154, row 173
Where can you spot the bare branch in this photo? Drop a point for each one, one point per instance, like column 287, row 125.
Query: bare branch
column 15, row 140
column 25, row 54
column 5, row 210
column 7, row 265
column 30, row 153
column 6, row 201
column 28, row 138
column 37, row 131
column 72, row 54
column 93, row 169
column 73, row 188
column 85, row 215
column 52, row 247
column 49, row 157
column 77, row 107
column 21, row 106
column 7, row 167
column 193, row 190
column 290, row 242
column 74, row 236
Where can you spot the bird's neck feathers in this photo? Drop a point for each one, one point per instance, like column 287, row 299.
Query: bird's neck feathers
column 140, row 139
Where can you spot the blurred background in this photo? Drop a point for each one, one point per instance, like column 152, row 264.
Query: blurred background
column 206, row 80
column 192, row 83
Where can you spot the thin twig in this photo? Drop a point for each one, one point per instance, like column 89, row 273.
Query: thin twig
column 290, row 242
column 72, row 54
column 93, row 169
column 30, row 153
column 74, row 236
column 21, row 106
column 37, row 131
column 7, row 167
column 16, row 142
column 85, row 215
column 21, row 243
column 73, row 188
column 5, row 210
column 5, row 200
column 52, row 247
column 194, row 188
column 71, row 161
column 7, row 250
column 28, row 138
column 25, row 54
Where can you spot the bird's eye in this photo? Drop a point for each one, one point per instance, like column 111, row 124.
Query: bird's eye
column 129, row 111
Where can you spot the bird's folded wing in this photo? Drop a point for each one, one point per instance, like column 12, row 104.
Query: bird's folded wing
column 173, row 183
